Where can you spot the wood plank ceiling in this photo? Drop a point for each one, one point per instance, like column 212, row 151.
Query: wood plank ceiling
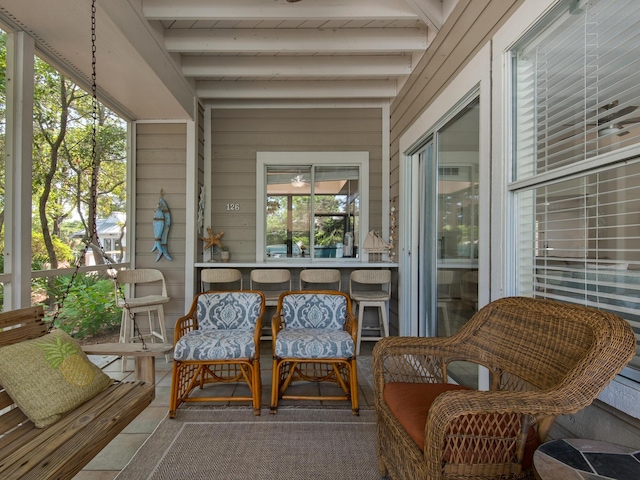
column 308, row 49
column 155, row 55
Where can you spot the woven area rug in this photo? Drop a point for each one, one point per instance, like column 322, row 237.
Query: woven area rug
column 233, row 444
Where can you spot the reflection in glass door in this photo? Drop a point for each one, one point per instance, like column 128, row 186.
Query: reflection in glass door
column 457, row 219
column 448, row 217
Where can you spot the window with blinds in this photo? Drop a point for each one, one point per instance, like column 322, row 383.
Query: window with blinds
column 576, row 159
column 577, row 94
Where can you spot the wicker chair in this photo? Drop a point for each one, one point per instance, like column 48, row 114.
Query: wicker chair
column 370, row 288
column 153, row 283
column 545, row 358
column 218, row 341
column 271, row 282
column 321, row 279
column 220, row 279
column 313, row 336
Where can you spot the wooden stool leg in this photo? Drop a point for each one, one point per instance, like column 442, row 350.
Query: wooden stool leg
column 384, row 328
column 275, row 378
column 163, row 330
column 360, row 322
column 125, row 335
column 445, row 317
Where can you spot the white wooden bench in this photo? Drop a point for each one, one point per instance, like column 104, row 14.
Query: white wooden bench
column 64, row 448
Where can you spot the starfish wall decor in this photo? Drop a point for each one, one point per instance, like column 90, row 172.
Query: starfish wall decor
column 213, row 239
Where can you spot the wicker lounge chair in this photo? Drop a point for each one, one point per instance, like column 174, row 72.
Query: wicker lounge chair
column 545, row 358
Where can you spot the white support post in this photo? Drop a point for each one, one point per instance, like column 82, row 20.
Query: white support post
column 20, row 71
column 191, row 208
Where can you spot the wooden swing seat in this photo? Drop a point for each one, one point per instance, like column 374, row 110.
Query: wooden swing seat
column 64, row 448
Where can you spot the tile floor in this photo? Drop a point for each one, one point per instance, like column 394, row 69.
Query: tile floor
column 108, row 463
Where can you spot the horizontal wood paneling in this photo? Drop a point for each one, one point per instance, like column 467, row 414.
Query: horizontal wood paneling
column 161, row 165
column 237, row 136
column 310, row 139
column 468, row 28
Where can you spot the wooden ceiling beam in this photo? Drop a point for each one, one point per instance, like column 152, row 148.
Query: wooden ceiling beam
column 310, row 89
column 347, row 40
column 208, row 66
column 223, row 10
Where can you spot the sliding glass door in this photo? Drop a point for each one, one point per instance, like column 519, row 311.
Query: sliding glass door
column 446, row 237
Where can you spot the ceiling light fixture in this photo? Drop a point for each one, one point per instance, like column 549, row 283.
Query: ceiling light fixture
column 298, row 180
column 613, row 129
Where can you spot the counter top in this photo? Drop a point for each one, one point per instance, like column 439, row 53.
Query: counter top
column 355, row 264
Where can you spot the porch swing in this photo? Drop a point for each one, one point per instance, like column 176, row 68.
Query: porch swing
column 144, row 354
column 57, row 409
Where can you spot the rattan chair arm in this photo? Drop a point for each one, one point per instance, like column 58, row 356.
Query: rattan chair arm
column 351, row 325
column 447, row 412
column 277, row 324
column 184, row 325
column 400, row 345
column 413, row 359
column 538, row 404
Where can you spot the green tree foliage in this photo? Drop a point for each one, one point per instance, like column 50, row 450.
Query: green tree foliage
column 63, row 165
column 90, row 308
column 63, row 156
column 65, row 159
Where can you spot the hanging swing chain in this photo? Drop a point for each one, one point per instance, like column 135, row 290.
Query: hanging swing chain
column 94, row 194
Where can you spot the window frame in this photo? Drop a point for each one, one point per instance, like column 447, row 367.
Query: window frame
column 312, row 159
column 578, row 170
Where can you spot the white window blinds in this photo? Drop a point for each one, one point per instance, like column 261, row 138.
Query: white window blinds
column 576, row 158
column 578, row 94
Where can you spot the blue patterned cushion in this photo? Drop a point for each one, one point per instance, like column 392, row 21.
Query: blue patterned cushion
column 215, row 345
column 314, row 343
column 310, row 310
column 228, row 310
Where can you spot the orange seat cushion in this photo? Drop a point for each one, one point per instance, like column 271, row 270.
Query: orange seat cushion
column 410, row 404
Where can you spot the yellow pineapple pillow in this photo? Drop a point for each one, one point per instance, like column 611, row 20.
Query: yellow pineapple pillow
column 49, row 376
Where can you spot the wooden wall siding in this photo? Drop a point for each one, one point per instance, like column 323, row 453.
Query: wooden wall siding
column 237, row 136
column 469, row 27
column 161, row 165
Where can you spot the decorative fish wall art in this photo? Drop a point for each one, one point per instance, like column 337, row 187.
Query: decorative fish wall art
column 161, row 225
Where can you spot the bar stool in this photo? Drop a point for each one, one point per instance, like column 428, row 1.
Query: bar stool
column 321, row 279
column 469, row 289
column 226, row 278
column 445, row 297
column 370, row 288
column 147, row 303
column 271, row 282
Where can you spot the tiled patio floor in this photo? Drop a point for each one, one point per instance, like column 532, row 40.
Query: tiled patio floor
column 108, row 463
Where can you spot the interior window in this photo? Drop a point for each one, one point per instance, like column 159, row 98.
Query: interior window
column 312, row 210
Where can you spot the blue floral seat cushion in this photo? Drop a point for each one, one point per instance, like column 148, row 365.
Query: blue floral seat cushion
column 314, row 343
column 202, row 345
column 312, row 310
column 228, row 310
column 226, row 327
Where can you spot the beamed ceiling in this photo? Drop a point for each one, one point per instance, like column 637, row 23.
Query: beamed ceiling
column 153, row 56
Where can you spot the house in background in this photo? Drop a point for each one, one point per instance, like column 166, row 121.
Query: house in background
column 493, row 143
column 112, row 235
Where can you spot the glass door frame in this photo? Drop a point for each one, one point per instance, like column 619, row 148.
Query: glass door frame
column 409, row 259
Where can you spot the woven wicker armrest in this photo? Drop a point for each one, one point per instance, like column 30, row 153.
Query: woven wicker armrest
column 185, row 325
column 351, row 325
column 413, row 359
column 277, row 324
